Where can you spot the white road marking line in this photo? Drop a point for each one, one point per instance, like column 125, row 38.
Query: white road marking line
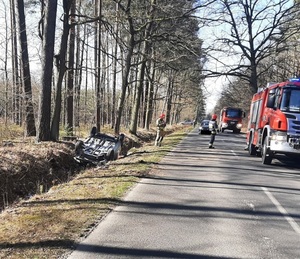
column 289, row 219
column 233, row 152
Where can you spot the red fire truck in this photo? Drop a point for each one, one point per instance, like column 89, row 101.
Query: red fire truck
column 231, row 119
column 274, row 121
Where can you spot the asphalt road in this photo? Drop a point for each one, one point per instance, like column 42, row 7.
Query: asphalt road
column 205, row 203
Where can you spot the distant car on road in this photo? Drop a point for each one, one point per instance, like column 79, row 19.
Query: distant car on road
column 204, row 127
column 187, row 122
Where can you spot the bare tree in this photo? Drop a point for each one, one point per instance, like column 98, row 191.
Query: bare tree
column 247, row 32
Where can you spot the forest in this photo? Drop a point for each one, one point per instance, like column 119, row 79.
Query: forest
column 66, row 64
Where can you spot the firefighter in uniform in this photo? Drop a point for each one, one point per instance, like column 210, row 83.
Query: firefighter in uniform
column 213, row 126
column 160, row 132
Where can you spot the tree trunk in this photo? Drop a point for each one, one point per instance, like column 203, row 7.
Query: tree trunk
column 78, row 71
column 29, row 114
column 98, row 12
column 70, row 81
column 129, row 53
column 16, row 89
column 103, row 92
column 124, row 86
column 169, row 100
column 47, row 67
column 114, row 71
column 144, row 53
column 61, row 66
column 253, row 77
column 137, row 100
column 149, row 109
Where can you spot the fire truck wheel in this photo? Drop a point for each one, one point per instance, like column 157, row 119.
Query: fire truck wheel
column 265, row 154
column 251, row 147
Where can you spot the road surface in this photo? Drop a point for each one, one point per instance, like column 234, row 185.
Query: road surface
column 205, row 203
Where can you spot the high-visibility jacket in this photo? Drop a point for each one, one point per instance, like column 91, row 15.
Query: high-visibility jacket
column 213, row 126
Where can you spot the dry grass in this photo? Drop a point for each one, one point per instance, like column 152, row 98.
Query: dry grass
column 48, row 225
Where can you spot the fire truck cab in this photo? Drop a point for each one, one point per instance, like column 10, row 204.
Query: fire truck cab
column 274, row 121
column 231, row 119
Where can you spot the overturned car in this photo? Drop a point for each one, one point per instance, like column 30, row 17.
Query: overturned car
column 98, row 149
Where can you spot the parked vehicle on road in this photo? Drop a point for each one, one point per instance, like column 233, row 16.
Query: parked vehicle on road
column 274, row 121
column 187, row 122
column 204, row 127
column 231, row 119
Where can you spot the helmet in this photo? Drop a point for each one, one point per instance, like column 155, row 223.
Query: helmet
column 214, row 117
column 162, row 115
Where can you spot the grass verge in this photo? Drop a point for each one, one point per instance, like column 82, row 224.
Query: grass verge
column 48, row 225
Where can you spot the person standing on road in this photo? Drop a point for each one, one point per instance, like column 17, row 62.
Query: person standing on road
column 213, row 126
column 160, row 133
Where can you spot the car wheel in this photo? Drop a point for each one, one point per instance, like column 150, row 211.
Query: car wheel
column 116, row 155
column 266, row 155
column 110, row 155
column 78, row 147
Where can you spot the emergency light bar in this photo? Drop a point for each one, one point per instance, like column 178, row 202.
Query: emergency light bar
column 294, row 79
